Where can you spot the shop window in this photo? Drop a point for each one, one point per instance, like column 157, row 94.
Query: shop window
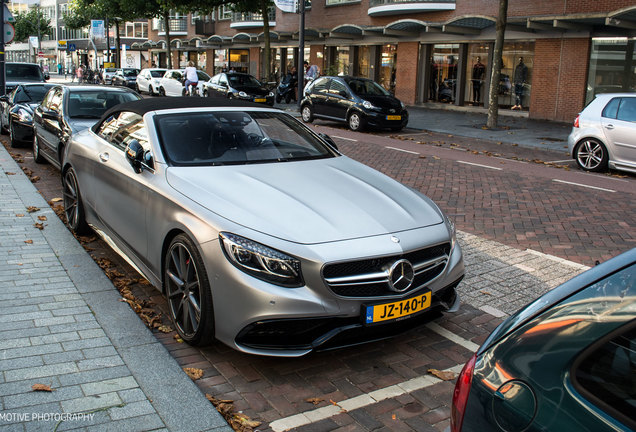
column 515, row 80
column 364, row 62
column 342, row 61
column 239, row 60
column 612, row 66
column 388, row 63
column 475, row 88
column 443, row 73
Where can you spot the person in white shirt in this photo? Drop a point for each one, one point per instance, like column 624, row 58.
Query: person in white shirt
column 191, row 78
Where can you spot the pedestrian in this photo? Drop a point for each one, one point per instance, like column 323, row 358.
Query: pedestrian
column 73, row 72
column 311, row 72
column 80, row 74
column 59, row 68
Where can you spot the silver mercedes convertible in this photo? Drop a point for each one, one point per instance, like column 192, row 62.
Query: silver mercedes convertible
column 256, row 229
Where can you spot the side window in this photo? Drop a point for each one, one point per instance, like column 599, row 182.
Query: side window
column 627, row 110
column 215, row 79
column 321, row 85
column 611, row 109
column 56, row 101
column 113, row 128
column 223, row 79
column 607, row 375
column 47, row 99
column 337, row 87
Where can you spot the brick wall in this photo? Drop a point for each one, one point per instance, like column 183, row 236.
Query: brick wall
column 317, row 56
column 559, row 78
column 255, row 62
column 406, row 72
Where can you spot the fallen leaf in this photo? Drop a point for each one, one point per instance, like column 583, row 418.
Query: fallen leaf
column 443, row 375
column 194, row 373
column 178, row 338
column 245, row 421
column 10, row 173
column 486, row 292
column 394, row 417
column 54, row 200
column 32, row 209
column 39, row 226
column 42, row 218
column 165, row 329
column 314, row 400
column 41, row 388
column 435, row 157
column 34, row 179
column 28, row 241
column 20, row 215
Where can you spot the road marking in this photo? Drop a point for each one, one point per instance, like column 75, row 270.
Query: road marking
column 480, row 165
column 561, row 161
column 470, row 346
column 583, row 185
column 558, row 259
column 357, row 402
column 346, row 139
column 402, row 150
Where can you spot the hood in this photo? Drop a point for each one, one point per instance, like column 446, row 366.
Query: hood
column 252, row 90
column 78, row 125
column 385, row 102
column 307, row 201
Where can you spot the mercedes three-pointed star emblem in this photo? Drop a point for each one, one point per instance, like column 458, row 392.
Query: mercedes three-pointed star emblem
column 401, row 275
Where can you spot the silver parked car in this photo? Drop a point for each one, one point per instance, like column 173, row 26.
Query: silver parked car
column 258, row 231
column 604, row 134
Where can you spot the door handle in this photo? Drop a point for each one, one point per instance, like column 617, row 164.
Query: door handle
column 609, row 126
column 104, row 157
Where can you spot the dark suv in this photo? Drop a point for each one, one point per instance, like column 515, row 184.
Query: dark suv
column 359, row 102
column 18, row 73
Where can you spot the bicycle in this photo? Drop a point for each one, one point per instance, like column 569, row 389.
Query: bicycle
column 192, row 90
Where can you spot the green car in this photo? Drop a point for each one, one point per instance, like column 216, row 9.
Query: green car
column 565, row 362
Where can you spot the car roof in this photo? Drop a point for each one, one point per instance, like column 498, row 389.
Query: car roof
column 613, row 95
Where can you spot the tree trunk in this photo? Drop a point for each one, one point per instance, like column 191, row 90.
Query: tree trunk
column 166, row 20
column 493, row 95
column 265, row 12
column 118, row 47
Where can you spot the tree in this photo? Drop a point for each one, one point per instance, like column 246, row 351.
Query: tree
column 263, row 7
column 31, row 23
column 493, row 94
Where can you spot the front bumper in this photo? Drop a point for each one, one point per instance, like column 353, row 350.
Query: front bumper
column 22, row 131
column 380, row 119
column 257, row 317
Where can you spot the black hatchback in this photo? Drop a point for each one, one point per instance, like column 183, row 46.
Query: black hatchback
column 359, row 102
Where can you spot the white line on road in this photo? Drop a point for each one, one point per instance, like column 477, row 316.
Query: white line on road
column 583, row 185
column 561, row 161
column 402, row 150
column 480, row 165
column 346, row 139
column 470, row 346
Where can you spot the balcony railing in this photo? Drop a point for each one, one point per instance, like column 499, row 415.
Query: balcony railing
column 177, row 25
column 251, row 19
column 397, row 7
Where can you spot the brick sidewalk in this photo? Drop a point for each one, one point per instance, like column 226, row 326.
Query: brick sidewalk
column 62, row 325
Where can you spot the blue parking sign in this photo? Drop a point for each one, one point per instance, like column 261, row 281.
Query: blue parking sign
column 71, row 47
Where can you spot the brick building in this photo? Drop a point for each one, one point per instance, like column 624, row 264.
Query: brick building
column 557, row 53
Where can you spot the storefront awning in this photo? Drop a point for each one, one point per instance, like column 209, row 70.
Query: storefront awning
column 468, row 24
column 242, row 37
column 353, row 31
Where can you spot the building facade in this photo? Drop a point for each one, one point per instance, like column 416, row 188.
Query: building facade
column 557, row 53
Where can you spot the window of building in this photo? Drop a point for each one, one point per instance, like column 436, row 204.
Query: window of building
column 239, row 60
column 342, row 63
column 515, row 80
column 363, row 68
column 612, row 66
column 225, row 12
column 339, row 2
column 476, row 68
column 388, row 63
column 443, row 72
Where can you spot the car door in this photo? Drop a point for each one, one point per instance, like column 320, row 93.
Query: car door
column 143, row 80
column 174, row 85
column 48, row 119
column 5, row 107
column 120, row 196
column 212, row 86
column 339, row 100
column 621, row 131
column 319, row 94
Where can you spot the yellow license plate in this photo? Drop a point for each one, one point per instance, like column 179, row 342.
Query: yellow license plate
column 399, row 309
column 260, row 100
column 394, row 117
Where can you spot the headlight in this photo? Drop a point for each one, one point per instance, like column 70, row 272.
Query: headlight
column 271, row 94
column 243, row 94
column 451, row 229
column 367, row 104
column 262, row 262
column 402, row 105
column 24, row 116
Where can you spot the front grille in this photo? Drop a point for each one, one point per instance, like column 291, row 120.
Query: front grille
column 370, row 277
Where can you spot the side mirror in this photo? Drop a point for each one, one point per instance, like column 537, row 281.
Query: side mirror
column 47, row 77
column 343, row 93
column 328, row 140
column 135, row 156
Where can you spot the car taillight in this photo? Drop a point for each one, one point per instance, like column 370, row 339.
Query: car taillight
column 576, row 121
column 460, row 395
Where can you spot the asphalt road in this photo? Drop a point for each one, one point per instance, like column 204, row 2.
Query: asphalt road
column 499, row 197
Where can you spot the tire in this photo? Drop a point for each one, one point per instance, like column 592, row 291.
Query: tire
column 307, row 113
column 205, row 93
column 14, row 143
column 355, row 121
column 137, row 88
column 3, row 128
column 73, row 207
column 288, row 98
column 151, row 91
column 591, row 155
column 162, row 91
column 278, row 98
column 184, row 92
column 37, row 156
column 187, row 290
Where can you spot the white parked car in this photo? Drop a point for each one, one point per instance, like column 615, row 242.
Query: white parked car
column 148, row 80
column 107, row 75
column 604, row 134
column 172, row 83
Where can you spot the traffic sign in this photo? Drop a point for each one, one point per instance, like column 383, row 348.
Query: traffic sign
column 9, row 33
column 8, row 16
column 61, row 44
column 71, row 47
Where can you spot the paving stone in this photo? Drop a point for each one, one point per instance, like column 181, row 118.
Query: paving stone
column 132, row 409
column 108, row 386
column 88, row 403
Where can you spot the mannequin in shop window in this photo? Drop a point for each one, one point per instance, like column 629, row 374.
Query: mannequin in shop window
column 520, row 78
column 477, row 78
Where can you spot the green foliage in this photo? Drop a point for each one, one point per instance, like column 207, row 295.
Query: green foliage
column 26, row 24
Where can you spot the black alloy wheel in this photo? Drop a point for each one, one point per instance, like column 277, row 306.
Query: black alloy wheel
column 14, row 142
column 73, row 207
column 187, row 289
column 37, row 156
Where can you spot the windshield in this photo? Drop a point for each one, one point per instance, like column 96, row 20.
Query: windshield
column 32, row 93
column 157, row 74
column 367, row 87
column 236, row 138
column 111, row 70
column 243, row 80
column 92, row 104
column 23, row 72
column 131, row 72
